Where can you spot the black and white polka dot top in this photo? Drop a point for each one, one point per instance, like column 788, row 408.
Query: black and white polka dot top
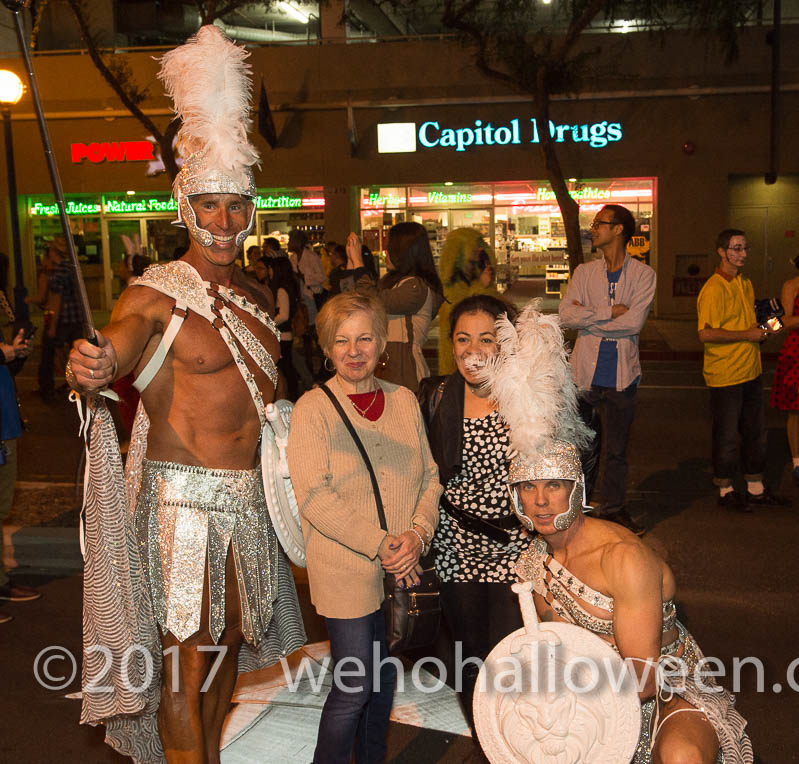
column 481, row 490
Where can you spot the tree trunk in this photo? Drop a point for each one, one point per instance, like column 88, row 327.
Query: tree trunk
column 167, row 150
column 569, row 209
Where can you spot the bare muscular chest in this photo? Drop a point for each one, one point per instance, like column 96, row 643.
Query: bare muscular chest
column 201, row 348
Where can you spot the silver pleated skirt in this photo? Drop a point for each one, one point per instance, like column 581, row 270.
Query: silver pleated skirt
column 186, row 520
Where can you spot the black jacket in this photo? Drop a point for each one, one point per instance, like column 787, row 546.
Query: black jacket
column 441, row 400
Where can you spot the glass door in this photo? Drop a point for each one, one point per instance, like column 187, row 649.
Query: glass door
column 121, row 235
column 163, row 239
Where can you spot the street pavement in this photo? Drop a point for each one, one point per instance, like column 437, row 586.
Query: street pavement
column 737, row 574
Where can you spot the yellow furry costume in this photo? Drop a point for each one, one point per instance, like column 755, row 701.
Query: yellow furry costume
column 461, row 279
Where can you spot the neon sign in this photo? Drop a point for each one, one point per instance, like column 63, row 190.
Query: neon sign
column 73, row 208
column 115, row 151
column 596, row 134
column 436, row 197
column 390, row 200
column 277, row 202
column 129, row 206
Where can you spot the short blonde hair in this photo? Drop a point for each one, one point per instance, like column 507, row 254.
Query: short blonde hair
column 339, row 308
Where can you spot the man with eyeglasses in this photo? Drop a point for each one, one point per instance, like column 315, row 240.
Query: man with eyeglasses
column 608, row 301
column 731, row 336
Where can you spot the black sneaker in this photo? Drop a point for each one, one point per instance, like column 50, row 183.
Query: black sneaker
column 622, row 517
column 733, row 500
column 767, row 499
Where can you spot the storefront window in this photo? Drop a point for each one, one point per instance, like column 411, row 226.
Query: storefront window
column 84, row 223
column 520, row 220
column 106, row 227
column 282, row 209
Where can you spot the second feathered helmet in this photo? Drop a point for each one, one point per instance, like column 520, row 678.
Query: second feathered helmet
column 530, row 379
column 209, row 82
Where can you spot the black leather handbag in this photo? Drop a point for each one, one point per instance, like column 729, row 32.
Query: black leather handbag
column 413, row 616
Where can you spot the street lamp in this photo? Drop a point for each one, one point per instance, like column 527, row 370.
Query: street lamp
column 11, row 90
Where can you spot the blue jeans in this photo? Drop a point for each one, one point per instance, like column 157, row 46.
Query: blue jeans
column 359, row 716
column 738, row 411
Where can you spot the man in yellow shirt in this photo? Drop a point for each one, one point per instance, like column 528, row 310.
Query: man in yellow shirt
column 732, row 369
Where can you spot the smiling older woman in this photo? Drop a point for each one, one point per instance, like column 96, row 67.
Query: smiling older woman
column 347, row 550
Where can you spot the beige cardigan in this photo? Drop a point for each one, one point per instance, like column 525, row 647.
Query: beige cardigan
column 339, row 516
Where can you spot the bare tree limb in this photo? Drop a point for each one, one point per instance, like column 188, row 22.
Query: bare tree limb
column 129, row 100
column 577, row 27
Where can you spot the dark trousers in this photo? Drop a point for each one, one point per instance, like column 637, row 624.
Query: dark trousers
column 738, row 411
column 286, row 366
column 66, row 334
column 610, row 412
column 356, row 712
column 479, row 615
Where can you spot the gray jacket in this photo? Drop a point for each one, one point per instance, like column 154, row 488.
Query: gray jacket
column 592, row 317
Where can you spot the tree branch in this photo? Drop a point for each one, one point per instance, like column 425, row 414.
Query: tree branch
column 107, row 74
column 577, row 27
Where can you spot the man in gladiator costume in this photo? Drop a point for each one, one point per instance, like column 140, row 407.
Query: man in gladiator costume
column 595, row 573
column 198, row 337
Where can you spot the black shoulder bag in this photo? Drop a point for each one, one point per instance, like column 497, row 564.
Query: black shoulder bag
column 413, row 616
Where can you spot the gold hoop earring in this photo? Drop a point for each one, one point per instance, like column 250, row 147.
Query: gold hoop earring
column 327, row 368
column 383, row 363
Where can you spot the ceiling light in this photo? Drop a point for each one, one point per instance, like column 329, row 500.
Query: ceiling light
column 294, row 12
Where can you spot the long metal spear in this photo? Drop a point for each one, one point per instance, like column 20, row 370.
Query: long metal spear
column 15, row 6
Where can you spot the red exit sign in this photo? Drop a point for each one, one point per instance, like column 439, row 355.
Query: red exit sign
column 115, row 151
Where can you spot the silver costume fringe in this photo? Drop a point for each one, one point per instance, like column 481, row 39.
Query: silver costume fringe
column 189, row 516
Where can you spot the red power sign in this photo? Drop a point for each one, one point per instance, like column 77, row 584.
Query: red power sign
column 116, row 151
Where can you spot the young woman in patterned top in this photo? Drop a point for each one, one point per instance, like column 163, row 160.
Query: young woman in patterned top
column 477, row 542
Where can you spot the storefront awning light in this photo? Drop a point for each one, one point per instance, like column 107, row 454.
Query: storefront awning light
column 640, row 193
column 11, row 88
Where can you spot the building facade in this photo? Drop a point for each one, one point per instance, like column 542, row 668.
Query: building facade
column 370, row 134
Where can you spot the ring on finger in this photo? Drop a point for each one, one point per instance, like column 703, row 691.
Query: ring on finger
column 91, row 373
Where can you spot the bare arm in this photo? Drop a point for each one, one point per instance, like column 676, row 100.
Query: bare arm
column 634, row 576
column 752, row 334
column 789, row 291
column 282, row 312
column 134, row 321
column 53, row 304
column 41, row 291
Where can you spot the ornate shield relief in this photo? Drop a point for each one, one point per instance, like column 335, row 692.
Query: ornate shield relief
column 280, row 499
column 555, row 693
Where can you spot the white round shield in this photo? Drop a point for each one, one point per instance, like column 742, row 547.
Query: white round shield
column 555, row 693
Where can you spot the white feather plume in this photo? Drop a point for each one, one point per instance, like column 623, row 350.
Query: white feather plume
column 530, row 379
column 209, row 82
